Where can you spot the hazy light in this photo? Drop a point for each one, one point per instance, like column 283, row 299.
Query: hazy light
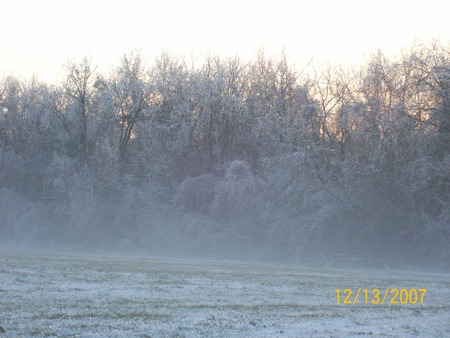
column 40, row 36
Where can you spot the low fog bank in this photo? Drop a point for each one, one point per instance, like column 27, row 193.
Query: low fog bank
column 234, row 217
column 233, row 160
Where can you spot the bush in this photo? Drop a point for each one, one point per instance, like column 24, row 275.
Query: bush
column 237, row 193
column 196, row 193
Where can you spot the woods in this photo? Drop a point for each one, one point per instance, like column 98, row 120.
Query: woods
column 256, row 159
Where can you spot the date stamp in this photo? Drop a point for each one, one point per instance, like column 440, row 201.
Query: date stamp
column 380, row 296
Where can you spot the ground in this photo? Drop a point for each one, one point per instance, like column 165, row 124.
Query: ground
column 76, row 296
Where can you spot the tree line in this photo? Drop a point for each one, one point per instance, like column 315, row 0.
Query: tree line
column 273, row 161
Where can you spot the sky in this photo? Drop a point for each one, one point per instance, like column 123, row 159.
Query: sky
column 39, row 36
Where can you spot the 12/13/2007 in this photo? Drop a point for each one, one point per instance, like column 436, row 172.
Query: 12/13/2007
column 384, row 296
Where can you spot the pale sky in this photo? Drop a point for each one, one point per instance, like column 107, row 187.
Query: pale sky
column 39, row 36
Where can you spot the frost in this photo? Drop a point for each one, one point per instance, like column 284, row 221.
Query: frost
column 136, row 297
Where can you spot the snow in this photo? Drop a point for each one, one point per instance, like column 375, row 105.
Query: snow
column 140, row 297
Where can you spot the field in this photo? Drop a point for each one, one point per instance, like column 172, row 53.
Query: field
column 76, row 296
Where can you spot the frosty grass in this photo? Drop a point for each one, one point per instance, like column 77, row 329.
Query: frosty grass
column 75, row 296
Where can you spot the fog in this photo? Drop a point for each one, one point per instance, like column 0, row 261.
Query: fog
column 233, row 160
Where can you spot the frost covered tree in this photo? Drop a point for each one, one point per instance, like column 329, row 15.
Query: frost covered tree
column 301, row 163
column 76, row 112
column 237, row 194
column 132, row 91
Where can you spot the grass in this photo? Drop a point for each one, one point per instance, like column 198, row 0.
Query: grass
column 68, row 296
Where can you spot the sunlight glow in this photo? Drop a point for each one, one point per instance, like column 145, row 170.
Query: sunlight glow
column 43, row 35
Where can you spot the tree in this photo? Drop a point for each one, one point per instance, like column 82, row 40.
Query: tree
column 132, row 92
column 79, row 88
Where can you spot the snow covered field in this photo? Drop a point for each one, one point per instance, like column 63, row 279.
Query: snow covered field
column 128, row 297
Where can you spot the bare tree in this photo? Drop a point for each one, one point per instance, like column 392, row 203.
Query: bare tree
column 132, row 91
column 79, row 87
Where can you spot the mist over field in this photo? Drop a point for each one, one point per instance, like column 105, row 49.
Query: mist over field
column 258, row 160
